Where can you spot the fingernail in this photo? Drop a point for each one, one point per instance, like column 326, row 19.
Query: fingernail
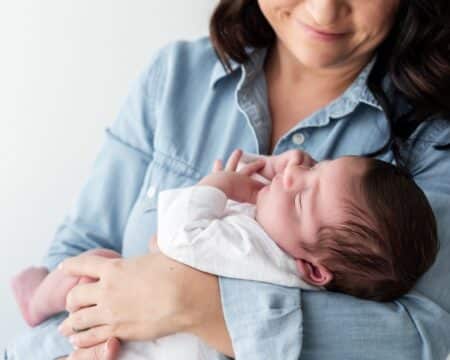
column 60, row 266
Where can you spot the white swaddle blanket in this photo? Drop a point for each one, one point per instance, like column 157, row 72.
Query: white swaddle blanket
column 174, row 347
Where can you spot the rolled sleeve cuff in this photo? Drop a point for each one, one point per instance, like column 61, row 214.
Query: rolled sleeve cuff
column 43, row 342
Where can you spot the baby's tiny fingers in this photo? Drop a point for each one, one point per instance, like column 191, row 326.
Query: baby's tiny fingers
column 253, row 167
column 233, row 160
column 218, row 166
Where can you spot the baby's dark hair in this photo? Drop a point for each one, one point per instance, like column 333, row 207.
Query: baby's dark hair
column 389, row 241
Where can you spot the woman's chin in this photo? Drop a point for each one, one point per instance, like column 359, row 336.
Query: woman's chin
column 320, row 60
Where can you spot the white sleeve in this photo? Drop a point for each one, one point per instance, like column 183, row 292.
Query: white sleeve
column 197, row 228
column 185, row 213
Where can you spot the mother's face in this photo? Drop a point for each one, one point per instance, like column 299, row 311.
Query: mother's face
column 330, row 33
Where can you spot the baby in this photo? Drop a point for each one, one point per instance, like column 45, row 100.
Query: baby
column 354, row 225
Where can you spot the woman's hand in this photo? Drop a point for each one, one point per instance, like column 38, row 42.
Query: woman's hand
column 141, row 299
column 106, row 351
column 128, row 301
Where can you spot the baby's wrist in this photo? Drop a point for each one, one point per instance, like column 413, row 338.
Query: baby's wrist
column 217, row 182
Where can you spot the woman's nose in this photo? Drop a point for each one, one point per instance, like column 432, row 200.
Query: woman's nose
column 326, row 12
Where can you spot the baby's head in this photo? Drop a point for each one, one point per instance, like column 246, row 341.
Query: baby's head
column 354, row 225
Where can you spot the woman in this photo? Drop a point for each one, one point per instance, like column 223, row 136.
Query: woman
column 330, row 77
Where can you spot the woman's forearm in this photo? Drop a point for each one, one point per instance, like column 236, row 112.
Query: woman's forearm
column 204, row 308
column 182, row 300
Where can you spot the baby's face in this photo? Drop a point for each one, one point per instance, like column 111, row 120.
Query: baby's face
column 300, row 200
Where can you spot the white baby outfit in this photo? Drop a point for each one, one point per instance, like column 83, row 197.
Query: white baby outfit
column 200, row 227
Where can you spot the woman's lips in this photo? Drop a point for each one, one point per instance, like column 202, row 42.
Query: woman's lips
column 321, row 34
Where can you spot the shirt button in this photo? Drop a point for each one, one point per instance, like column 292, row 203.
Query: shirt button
column 298, row 138
column 151, row 191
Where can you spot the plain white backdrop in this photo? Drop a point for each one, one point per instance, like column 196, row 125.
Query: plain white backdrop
column 65, row 68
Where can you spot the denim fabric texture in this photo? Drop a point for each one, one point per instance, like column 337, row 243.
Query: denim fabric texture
column 183, row 112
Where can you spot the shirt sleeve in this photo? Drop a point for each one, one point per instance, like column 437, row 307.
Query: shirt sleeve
column 101, row 211
column 264, row 321
column 199, row 227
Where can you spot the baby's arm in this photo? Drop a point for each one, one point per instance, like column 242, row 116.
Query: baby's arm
column 41, row 294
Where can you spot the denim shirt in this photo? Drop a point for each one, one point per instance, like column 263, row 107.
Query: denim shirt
column 185, row 111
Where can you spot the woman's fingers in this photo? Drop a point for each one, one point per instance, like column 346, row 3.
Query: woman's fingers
column 92, row 337
column 112, row 349
column 81, row 320
column 84, row 265
column 233, row 160
column 82, row 295
column 106, row 351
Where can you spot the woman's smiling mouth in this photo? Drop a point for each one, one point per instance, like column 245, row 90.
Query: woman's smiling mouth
column 321, row 34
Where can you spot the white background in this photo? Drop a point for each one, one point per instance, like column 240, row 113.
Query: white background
column 65, row 68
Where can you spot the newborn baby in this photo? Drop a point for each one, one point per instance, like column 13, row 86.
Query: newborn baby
column 332, row 225
column 354, row 225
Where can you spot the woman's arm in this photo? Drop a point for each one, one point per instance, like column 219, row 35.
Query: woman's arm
column 144, row 298
column 100, row 214
column 336, row 326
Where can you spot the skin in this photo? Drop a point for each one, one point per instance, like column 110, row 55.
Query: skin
column 300, row 200
column 358, row 26
column 302, row 197
column 300, row 60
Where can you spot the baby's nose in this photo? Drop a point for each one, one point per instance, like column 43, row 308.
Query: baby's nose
column 293, row 174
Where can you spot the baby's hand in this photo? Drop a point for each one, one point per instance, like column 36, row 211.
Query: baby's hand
column 277, row 163
column 237, row 185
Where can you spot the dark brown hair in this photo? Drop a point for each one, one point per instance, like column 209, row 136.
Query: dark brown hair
column 389, row 241
column 415, row 55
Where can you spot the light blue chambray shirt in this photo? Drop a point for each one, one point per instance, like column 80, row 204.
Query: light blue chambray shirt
column 184, row 112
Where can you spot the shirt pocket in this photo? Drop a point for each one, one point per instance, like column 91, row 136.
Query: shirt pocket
column 164, row 172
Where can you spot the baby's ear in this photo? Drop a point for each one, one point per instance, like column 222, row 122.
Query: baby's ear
column 314, row 274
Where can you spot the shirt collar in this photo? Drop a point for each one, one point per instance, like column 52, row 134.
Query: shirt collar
column 219, row 72
column 357, row 92
column 254, row 64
